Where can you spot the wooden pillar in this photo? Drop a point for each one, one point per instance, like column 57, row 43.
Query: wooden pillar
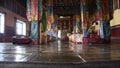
column 40, row 33
column 69, row 24
column 40, row 11
column 84, row 17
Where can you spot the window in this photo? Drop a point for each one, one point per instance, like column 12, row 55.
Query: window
column 2, row 22
column 20, row 27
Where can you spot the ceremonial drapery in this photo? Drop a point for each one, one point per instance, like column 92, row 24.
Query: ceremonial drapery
column 34, row 15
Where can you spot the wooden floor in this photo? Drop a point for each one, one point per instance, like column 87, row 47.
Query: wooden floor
column 59, row 53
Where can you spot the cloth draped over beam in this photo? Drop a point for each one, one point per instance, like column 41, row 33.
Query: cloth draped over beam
column 44, row 21
column 40, row 9
column 34, row 15
column 51, row 23
column 104, row 12
column 105, row 30
column 111, row 8
column 49, row 16
column 28, row 13
column 34, row 30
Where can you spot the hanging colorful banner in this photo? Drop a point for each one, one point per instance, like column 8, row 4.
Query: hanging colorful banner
column 34, row 9
column 105, row 7
column 28, row 13
column 49, row 16
column 84, row 18
column 99, row 5
column 44, row 21
column 111, row 9
column 111, row 5
column 34, row 30
column 105, row 16
column 32, row 15
column 107, row 30
column 40, row 9
column 49, row 10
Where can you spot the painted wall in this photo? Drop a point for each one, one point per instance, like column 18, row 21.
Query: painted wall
column 115, row 25
column 115, row 32
column 10, row 25
column 116, row 18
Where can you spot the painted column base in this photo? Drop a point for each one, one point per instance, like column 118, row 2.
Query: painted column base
column 34, row 42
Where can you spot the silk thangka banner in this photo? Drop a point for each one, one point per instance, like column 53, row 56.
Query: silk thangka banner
column 105, row 29
column 34, row 30
column 28, row 13
column 34, row 12
column 44, row 21
column 40, row 9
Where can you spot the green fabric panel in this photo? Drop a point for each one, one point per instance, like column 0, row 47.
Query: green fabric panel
column 105, row 29
column 106, row 26
column 28, row 5
column 44, row 20
column 34, row 30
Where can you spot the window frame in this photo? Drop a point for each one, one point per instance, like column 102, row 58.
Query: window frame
column 2, row 20
column 23, row 27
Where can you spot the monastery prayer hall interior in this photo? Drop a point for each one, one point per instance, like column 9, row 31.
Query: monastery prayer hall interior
column 60, row 33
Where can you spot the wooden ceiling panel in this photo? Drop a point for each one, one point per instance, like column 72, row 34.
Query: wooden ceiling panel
column 71, row 7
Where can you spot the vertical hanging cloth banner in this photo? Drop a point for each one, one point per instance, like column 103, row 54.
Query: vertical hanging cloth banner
column 98, row 5
column 49, row 8
column 32, row 15
column 107, row 30
column 99, row 10
column 40, row 10
column 44, row 20
column 103, row 7
column 34, row 30
column 49, row 16
column 34, row 10
column 76, row 23
column 111, row 9
column 83, row 17
column 28, row 13
column 34, row 22
column 105, row 19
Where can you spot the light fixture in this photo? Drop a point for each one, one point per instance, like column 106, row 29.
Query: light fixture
column 61, row 17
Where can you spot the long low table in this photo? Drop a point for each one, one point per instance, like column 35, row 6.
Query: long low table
column 94, row 40
column 19, row 40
